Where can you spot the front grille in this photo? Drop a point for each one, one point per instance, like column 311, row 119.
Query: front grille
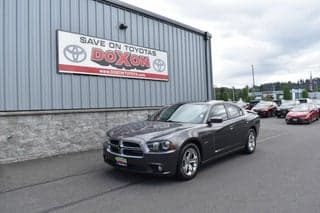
column 130, row 144
column 115, row 149
column 126, row 148
column 132, row 152
column 114, row 142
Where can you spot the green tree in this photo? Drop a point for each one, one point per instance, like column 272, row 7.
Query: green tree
column 286, row 93
column 304, row 93
column 245, row 94
column 268, row 98
column 224, row 94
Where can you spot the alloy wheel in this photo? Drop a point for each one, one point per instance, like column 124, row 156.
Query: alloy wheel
column 251, row 142
column 190, row 162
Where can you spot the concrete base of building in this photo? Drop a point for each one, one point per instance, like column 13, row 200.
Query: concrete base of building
column 31, row 135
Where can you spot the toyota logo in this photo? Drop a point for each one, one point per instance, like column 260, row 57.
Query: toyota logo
column 74, row 53
column 159, row 65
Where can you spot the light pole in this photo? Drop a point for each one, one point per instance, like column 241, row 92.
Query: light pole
column 233, row 98
column 253, row 84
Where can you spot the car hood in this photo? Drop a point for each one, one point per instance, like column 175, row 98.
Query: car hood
column 297, row 114
column 148, row 130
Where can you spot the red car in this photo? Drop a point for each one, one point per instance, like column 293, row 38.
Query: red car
column 265, row 108
column 303, row 113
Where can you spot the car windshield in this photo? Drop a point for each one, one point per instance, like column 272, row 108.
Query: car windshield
column 301, row 108
column 184, row 113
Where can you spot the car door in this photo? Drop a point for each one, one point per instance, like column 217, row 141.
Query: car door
column 238, row 125
column 220, row 131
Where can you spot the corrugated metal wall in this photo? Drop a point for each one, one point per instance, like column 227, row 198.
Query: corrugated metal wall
column 28, row 60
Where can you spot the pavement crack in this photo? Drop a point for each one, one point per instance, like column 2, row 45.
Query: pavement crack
column 49, row 181
column 92, row 196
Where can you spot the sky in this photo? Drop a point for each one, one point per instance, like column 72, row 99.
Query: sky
column 280, row 38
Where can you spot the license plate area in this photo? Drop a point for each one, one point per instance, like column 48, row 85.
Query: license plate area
column 121, row 161
column 295, row 119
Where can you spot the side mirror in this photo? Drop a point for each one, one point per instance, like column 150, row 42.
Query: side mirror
column 215, row 120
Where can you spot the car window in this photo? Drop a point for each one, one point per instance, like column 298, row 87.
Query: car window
column 190, row 113
column 234, row 111
column 218, row 111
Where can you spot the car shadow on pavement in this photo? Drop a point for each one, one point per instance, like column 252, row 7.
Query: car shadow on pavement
column 149, row 179
column 221, row 160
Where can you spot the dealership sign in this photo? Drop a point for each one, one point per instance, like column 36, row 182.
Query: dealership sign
column 94, row 56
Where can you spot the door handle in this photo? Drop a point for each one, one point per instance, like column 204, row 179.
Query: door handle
column 231, row 128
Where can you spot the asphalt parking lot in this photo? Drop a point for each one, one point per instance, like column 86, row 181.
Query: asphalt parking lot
column 283, row 175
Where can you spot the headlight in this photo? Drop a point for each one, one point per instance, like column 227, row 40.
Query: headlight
column 160, row 146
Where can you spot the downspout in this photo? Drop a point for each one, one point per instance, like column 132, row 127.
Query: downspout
column 207, row 38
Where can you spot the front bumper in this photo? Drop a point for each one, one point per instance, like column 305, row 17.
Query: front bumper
column 149, row 163
column 297, row 120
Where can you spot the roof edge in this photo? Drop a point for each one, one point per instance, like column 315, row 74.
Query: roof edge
column 144, row 12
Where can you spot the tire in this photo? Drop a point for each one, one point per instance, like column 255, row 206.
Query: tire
column 269, row 114
column 186, row 170
column 251, row 142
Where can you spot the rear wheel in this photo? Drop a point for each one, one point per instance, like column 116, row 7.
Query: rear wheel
column 189, row 162
column 251, row 142
column 269, row 114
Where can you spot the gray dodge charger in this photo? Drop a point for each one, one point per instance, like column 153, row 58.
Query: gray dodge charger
column 177, row 139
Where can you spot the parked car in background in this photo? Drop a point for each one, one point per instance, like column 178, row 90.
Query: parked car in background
column 278, row 102
column 303, row 113
column 305, row 100
column 242, row 104
column 181, row 138
column 317, row 103
column 252, row 103
column 265, row 108
column 285, row 107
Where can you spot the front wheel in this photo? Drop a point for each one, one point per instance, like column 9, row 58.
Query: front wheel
column 251, row 142
column 189, row 162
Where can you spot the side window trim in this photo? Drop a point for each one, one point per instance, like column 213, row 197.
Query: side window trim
column 221, row 104
column 229, row 116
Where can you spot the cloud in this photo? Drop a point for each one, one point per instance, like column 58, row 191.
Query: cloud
column 281, row 38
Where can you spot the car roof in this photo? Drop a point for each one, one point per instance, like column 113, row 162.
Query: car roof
column 215, row 101
column 211, row 102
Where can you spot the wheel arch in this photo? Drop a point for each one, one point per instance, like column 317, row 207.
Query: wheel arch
column 254, row 128
column 197, row 143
